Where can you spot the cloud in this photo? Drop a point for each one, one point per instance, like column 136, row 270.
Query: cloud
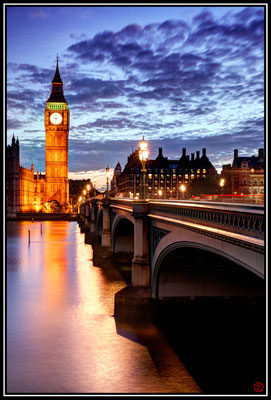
column 14, row 124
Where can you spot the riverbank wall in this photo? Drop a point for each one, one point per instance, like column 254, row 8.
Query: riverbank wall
column 44, row 217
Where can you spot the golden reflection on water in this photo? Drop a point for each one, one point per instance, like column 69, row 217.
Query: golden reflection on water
column 62, row 335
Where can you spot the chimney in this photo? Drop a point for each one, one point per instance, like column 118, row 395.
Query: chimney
column 197, row 152
column 161, row 151
column 235, row 153
column 192, row 156
column 204, row 152
column 261, row 153
column 184, row 151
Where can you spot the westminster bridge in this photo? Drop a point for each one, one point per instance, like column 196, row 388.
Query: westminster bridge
column 183, row 248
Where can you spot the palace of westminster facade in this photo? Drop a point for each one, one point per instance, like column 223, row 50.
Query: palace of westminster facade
column 27, row 191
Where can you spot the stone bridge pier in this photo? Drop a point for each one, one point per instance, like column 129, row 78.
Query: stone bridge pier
column 141, row 261
column 93, row 215
column 106, row 231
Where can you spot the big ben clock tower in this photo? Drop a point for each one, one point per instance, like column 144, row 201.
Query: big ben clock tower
column 56, row 143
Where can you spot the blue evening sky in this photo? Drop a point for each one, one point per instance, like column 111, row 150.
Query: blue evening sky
column 181, row 76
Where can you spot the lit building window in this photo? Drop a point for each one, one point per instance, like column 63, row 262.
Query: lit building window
column 150, row 176
column 204, row 171
column 192, row 176
column 186, row 176
column 198, row 171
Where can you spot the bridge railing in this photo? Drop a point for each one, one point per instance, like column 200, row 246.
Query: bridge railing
column 244, row 219
column 122, row 203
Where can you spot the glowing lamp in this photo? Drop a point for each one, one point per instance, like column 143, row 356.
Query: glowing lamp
column 88, row 187
column 143, row 150
column 182, row 188
column 143, row 155
column 222, row 182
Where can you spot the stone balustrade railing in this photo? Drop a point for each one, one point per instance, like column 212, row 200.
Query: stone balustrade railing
column 244, row 219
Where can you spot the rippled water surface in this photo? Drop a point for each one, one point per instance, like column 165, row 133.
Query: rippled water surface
column 61, row 333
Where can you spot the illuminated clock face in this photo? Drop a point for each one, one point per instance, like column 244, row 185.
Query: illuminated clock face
column 55, row 118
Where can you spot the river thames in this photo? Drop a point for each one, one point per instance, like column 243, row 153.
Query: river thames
column 61, row 333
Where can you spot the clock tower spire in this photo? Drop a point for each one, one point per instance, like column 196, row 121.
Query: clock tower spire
column 56, row 143
column 57, row 87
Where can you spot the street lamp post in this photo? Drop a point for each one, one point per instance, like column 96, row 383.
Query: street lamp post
column 143, row 156
column 88, row 189
column 183, row 190
column 94, row 187
column 221, row 184
column 107, row 173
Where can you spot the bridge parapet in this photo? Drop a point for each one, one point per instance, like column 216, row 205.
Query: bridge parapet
column 248, row 220
column 122, row 204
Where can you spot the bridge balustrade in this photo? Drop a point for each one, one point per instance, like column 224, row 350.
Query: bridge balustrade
column 248, row 220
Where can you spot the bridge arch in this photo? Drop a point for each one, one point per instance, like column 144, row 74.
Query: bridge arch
column 222, row 276
column 122, row 234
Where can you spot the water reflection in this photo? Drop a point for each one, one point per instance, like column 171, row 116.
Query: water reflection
column 61, row 335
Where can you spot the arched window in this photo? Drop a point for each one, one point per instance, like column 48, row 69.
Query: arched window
column 255, row 181
column 262, row 182
column 245, row 181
